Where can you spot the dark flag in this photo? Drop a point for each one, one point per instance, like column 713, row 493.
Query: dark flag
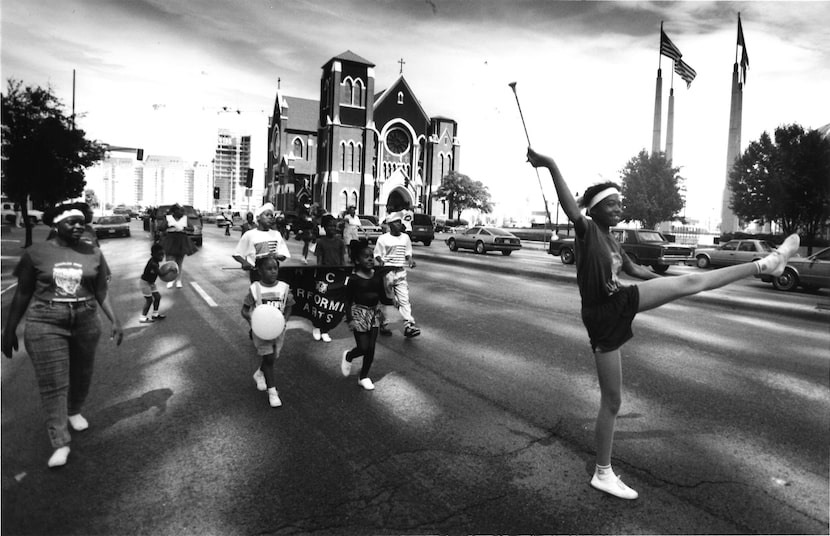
column 686, row 73
column 744, row 55
column 319, row 293
column 667, row 48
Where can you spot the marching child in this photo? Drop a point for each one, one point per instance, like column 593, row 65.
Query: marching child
column 330, row 251
column 609, row 306
column 148, row 285
column 365, row 291
column 393, row 251
column 268, row 292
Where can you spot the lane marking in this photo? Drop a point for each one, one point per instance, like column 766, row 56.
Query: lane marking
column 203, row 294
column 8, row 288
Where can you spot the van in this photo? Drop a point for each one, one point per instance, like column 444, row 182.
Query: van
column 423, row 230
column 194, row 219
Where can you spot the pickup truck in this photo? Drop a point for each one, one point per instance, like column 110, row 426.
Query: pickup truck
column 643, row 246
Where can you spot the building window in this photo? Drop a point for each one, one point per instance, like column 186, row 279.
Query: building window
column 350, row 158
column 342, row 156
column 298, row 149
column 357, row 97
column 400, row 97
column 441, row 160
column 354, row 200
column 345, row 199
column 346, row 91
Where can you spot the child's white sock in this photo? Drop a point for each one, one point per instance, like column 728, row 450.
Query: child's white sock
column 604, row 471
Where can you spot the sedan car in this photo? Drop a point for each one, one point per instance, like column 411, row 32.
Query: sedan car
column 484, row 239
column 107, row 226
column 733, row 252
column 810, row 273
column 369, row 230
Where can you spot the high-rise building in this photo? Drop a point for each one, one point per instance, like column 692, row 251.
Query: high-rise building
column 230, row 168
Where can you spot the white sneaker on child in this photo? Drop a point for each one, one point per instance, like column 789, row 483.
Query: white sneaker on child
column 366, row 383
column 58, row 458
column 315, row 332
column 274, row 398
column 78, row 423
column 325, row 337
column 259, row 378
column 170, row 284
column 345, row 366
column 613, row 485
column 774, row 263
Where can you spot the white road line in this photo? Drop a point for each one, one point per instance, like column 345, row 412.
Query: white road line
column 203, row 294
column 8, row 288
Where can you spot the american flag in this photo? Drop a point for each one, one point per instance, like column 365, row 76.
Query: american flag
column 686, row 73
column 667, row 48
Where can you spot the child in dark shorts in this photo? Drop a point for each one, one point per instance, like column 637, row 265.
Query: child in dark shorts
column 608, row 307
column 148, row 286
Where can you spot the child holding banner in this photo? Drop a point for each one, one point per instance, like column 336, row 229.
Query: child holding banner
column 609, row 307
column 330, row 251
column 365, row 292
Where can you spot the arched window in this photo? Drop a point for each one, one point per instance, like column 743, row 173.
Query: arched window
column 298, row 148
column 346, row 91
column 400, row 97
column 357, row 97
column 342, row 156
column 441, row 159
column 350, row 158
column 354, row 199
column 345, row 199
column 449, row 163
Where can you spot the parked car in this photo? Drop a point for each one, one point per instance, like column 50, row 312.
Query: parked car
column 193, row 220
column 369, row 230
column 111, row 226
column 810, row 273
column 484, row 239
column 9, row 215
column 643, row 246
column 121, row 210
column 733, row 252
column 423, row 229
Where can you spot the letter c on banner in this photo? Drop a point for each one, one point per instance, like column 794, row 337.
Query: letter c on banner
column 330, row 277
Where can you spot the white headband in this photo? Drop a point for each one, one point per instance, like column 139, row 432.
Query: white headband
column 68, row 214
column 602, row 195
column 263, row 208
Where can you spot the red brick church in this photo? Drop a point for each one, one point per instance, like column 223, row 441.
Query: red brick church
column 377, row 151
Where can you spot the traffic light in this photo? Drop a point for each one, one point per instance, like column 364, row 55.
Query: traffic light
column 249, row 178
column 216, row 192
column 139, row 154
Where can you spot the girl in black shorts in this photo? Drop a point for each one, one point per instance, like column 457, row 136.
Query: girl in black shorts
column 608, row 307
column 365, row 292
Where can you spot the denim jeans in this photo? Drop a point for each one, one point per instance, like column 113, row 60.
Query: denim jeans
column 61, row 339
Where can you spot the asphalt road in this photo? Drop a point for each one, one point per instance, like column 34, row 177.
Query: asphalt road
column 483, row 424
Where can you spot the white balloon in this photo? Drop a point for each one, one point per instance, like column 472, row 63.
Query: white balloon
column 267, row 322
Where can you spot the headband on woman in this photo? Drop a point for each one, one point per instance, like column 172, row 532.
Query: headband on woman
column 602, row 195
column 68, row 214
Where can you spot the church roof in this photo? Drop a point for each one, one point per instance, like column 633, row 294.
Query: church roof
column 352, row 57
column 303, row 114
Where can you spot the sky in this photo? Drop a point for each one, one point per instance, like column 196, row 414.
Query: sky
column 159, row 74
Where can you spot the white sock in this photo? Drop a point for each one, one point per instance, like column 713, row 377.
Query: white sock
column 604, row 471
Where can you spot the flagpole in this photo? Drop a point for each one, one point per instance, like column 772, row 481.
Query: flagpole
column 738, row 32
column 658, row 100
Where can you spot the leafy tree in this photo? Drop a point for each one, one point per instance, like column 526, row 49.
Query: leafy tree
column 651, row 189
column 460, row 192
column 786, row 181
column 44, row 156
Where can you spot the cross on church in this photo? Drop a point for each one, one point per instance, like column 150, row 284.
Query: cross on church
column 401, row 62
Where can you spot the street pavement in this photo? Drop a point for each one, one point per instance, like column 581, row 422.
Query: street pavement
column 481, row 425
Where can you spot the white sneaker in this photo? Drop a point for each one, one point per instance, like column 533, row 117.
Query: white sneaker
column 366, row 383
column 345, row 366
column 178, row 284
column 259, row 378
column 274, row 398
column 316, row 334
column 58, row 458
column 325, row 337
column 170, row 284
column 78, row 423
column 613, row 485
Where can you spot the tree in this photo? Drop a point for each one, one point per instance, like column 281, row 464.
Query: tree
column 460, row 192
column 44, row 155
column 651, row 189
column 787, row 181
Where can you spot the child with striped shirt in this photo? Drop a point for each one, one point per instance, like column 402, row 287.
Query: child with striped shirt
column 393, row 253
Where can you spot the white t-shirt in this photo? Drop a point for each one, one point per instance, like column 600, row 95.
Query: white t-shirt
column 350, row 226
column 392, row 249
column 256, row 243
